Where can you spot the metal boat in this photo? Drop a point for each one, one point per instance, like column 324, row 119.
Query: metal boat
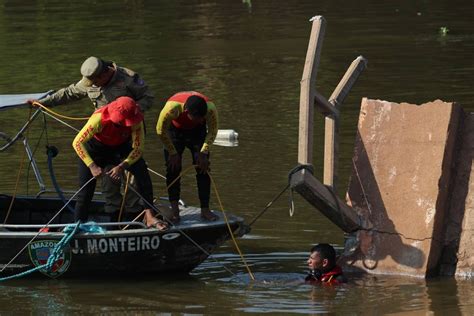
column 34, row 225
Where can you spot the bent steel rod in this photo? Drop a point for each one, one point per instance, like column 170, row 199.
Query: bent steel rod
column 20, row 133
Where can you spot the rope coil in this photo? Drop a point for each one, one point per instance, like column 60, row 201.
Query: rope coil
column 54, row 256
column 46, row 225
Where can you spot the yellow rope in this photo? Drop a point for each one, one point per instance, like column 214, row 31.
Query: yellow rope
column 22, row 161
column 178, row 177
column 156, row 173
column 183, row 172
column 124, row 195
column 230, row 229
column 35, row 103
column 136, row 218
column 16, row 187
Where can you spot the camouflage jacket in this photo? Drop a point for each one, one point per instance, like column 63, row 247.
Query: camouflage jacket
column 124, row 82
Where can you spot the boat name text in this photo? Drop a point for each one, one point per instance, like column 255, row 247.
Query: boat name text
column 117, row 244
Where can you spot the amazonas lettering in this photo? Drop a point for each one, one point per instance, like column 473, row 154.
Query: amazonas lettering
column 118, row 244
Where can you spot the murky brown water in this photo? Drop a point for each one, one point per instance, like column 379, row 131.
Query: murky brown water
column 248, row 56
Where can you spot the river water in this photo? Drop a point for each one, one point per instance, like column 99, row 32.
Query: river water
column 248, row 56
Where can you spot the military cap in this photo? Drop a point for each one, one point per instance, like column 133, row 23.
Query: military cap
column 92, row 67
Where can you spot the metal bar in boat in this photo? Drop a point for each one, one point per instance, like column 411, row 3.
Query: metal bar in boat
column 70, row 192
column 38, row 176
column 18, row 226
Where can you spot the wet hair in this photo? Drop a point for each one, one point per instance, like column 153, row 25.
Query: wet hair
column 326, row 251
column 196, row 106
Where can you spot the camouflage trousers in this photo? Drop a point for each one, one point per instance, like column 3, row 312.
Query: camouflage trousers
column 113, row 193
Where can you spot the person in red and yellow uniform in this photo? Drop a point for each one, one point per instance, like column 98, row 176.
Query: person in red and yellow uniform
column 188, row 119
column 323, row 267
column 113, row 135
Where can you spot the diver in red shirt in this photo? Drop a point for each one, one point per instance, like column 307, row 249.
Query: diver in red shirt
column 323, row 267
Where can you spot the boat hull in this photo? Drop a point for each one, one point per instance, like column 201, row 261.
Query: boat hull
column 117, row 252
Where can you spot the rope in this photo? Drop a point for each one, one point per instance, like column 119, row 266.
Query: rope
column 290, row 198
column 54, row 256
column 16, row 187
column 172, row 182
column 22, row 161
column 290, row 174
column 52, row 151
column 46, row 225
column 92, row 227
column 300, row 167
column 361, row 186
column 139, row 215
column 59, row 115
column 186, row 235
column 230, row 229
column 291, row 209
column 269, row 204
column 177, row 228
column 156, row 173
column 61, row 121
column 127, row 183
column 183, row 172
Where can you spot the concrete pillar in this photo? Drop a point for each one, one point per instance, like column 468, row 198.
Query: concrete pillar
column 402, row 181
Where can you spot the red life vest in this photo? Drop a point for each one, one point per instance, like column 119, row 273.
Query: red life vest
column 183, row 120
column 333, row 277
column 111, row 134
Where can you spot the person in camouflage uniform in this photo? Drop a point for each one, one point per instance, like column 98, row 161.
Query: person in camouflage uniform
column 103, row 82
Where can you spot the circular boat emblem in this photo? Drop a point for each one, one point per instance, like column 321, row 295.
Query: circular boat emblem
column 40, row 251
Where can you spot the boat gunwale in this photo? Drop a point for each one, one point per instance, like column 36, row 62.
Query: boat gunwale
column 129, row 232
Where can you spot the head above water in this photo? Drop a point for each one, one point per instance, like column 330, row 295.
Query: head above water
column 322, row 257
column 96, row 71
column 124, row 111
column 196, row 107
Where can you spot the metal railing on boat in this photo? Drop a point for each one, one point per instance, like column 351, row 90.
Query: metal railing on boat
column 39, row 226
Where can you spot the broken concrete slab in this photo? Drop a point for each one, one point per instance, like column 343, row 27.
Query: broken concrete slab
column 401, row 181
